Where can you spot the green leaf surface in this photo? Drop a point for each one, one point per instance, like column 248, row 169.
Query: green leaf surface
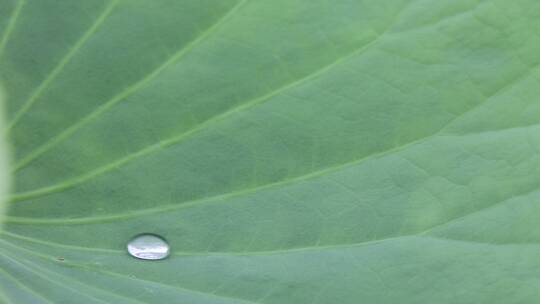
column 290, row 151
column 4, row 162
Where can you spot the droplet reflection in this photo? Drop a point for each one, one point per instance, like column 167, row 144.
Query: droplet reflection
column 148, row 247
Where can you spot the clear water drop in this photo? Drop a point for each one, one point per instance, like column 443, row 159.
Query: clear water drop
column 148, row 247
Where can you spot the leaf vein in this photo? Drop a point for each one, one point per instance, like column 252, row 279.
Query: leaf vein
column 11, row 25
column 161, row 145
column 27, row 105
column 123, row 94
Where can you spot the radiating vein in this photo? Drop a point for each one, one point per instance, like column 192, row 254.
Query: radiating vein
column 475, row 212
column 15, row 280
column 126, row 92
column 293, row 180
column 39, row 274
column 110, row 273
column 58, row 245
column 156, row 147
column 11, row 25
column 173, row 140
column 244, row 106
column 27, row 105
column 79, row 283
column 422, row 233
column 220, row 197
column 225, row 196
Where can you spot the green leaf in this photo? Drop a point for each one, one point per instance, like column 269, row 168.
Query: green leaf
column 4, row 177
column 4, row 163
column 290, row 151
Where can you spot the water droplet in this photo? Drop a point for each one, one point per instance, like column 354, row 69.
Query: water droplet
column 148, row 247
